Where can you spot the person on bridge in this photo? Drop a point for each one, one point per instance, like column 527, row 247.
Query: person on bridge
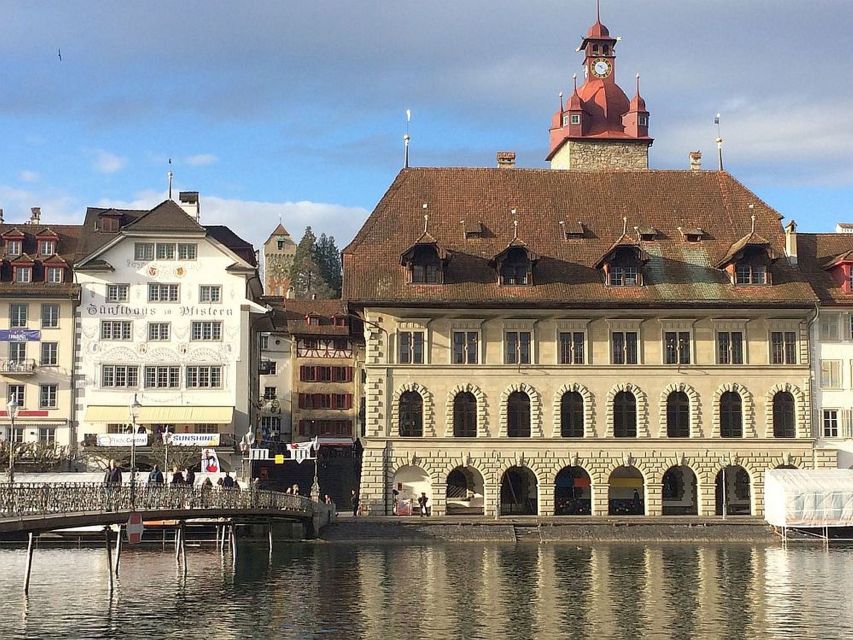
column 189, row 477
column 227, row 481
column 155, row 478
column 177, row 477
column 113, row 474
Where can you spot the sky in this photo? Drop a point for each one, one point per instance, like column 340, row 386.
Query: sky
column 297, row 109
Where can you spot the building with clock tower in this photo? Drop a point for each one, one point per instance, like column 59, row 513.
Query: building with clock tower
column 599, row 127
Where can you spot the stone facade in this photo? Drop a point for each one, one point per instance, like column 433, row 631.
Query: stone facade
column 601, row 154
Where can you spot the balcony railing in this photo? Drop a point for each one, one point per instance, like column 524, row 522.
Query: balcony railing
column 18, row 367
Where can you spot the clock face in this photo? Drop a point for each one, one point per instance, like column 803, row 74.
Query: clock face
column 601, row 68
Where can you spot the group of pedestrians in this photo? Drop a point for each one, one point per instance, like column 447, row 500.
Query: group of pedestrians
column 156, row 478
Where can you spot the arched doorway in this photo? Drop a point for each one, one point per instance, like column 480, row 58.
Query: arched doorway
column 409, row 483
column 679, row 492
column 465, row 489
column 519, row 492
column 572, row 492
column 626, row 492
column 733, row 491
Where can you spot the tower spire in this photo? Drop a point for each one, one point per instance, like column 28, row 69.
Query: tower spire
column 598, row 10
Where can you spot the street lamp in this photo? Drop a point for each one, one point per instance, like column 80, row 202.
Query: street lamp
column 12, row 409
column 134, row 418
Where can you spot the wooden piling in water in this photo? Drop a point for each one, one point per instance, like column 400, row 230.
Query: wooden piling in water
column 118, row 551
column 29, row 565
column 109, row 555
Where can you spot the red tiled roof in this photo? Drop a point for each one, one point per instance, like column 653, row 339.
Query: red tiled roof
column 816, row 253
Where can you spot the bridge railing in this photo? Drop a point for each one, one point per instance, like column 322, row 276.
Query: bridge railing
column 23, row 499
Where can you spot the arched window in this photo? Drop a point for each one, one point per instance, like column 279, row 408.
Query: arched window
column 411, row 415
column 518, row 415
column 678, row 415
column 465, row 415
column 731, row 415
column 625, row 415
column 515, row 267
column 783, row 416
column 571, row 415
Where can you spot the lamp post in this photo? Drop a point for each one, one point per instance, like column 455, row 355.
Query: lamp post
column 12, row 408
column 134, row 417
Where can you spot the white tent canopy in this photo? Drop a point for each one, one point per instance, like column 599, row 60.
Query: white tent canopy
column 809, row 497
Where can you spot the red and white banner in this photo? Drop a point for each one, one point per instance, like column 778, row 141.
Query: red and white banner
column 210, row 461
column 301, row 451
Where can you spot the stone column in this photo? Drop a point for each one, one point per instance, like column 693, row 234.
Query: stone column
column 654, row 499
column 373, row 484
column 439, row 497
column 600, row 495
column 706, row 494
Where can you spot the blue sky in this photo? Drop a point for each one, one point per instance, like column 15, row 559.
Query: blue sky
column 296, row 108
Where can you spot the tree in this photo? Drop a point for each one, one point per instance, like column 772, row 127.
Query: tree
column 306, row 278
column 328, row 259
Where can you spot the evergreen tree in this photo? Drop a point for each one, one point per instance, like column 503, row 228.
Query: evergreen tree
column 306, row 277
column 328, row 259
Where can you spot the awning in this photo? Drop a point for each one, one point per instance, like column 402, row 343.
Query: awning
column 161, row 415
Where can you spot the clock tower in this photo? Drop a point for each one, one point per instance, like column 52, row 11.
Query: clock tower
column 599, row 128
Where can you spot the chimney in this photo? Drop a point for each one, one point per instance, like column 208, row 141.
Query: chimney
column 695, row 160
column 791, row 242
column 506, row 159
column 35, row 218
column 1, row 216
column 190, row 204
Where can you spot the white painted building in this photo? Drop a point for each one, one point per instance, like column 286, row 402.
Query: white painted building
column 166, row 315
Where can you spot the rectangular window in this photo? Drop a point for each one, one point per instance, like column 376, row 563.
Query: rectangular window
column 46, row 247
column 159, row 331
column 49, row 354
column 165, row 251
column 47, row 396
column 830, row 374
column 16, row 392
column 119, row 376
column 55, row 275
column 325, row 401
column 162, row 377
column 783, row 347
column 624, row 276
column 47, row 435
column 576, row 118
column 17, row 351
column 117, row 292
column 830, row 423
column 206, row 330
column 116, row 329
column 411, row 347
column 210, row 293
column 517, row 347
column 270, row 393
column 204, row 377
column 13, row 247
column 829, row 328
column 729, row 347
column 143, row 251
column 265, row 343
column 465, row 347
column 624, row 347
column 49, row 316
column 270, row 424
column 162, row 292
column 572, row 347
column 18, row 315
column 23, row 274
column 751, row 274
column 676, row 347
column 187, row 251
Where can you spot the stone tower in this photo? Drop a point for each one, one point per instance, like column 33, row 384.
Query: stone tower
column 279, row 250
column 598, row 127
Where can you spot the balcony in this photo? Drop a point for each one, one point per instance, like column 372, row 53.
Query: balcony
column 25, row 367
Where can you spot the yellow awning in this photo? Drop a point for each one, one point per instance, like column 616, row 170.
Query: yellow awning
column 161, row 415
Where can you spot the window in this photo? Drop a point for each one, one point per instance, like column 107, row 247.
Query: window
column 117, row 292
column 731, row 415
column 271, row 368
column 750, row 274
column 518, row 415
column 47, row 435
column 165, row 251
column 465, row 415
column 162, row 292
column 426, row 273
column 729, row 347
column 571, row 415
column 783, row 347
column 517, row 347
column 17, row 351
column 515, row 268
column 624, row 276
column 576, row 118
column 623, row 347
column 47, row 396
column 159, row 331
column 411, row 415
column 313, row 428
column 18, row 315
column 676, row 347
column 187, row 251
column 119, row 376
column 49, row 354
column 55, row 275
column 270, row 425
column 565, row 119
column 678, row 415
column 109, row 224
column 830, row 423
column 465, row 347
column 270, row 393
column 829, row 328
column 643, row 121
column 143, row 251
column 16, row 392
column 264, row 343
column 830, row 374
column 207, row 330
column 49, row 316
column 204, row 377
column 13, row 247
column 411, row 347
column 162, row 377
column 23, row 274
column 783, row 416
column 625, row 415
column 210, row 293
column 116, row 329
column 18, row 435
column 205, row 428
column 325, row 401
column 572, row 347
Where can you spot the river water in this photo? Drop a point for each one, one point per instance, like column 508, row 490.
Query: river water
column 448, row 591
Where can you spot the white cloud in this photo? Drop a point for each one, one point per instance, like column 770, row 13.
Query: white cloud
column 28, row 176
column 107, row 162
column 201, row 160
column 56, row 207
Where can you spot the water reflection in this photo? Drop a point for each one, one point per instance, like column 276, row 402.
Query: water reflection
column 437, row 592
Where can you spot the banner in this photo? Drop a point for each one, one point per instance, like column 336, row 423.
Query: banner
column 210, row 461
column 122, row 439
column 192, row 439
column 301, row 451
column 20, row 335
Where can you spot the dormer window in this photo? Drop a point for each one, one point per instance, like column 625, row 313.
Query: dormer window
column 47, row 247
column 750, row 274
column 54, row 275
column 624, row 276
column 340, row 321
column 312, row 320
column 623, row 264
column 576, row 118
column 23, row 275
column 516, row 268
column 647, row 234
column 424, row 265
column 13, row 247
column 109, row 224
